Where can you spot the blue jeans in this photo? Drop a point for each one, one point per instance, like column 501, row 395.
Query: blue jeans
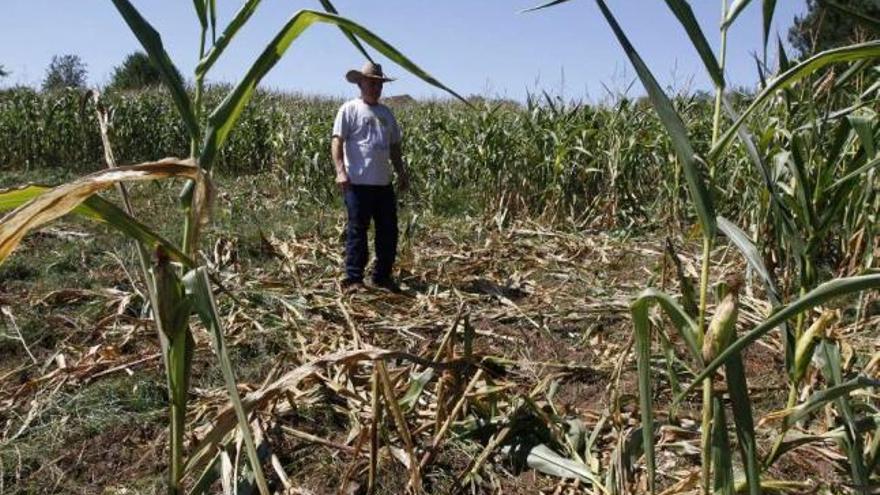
column 366, row 203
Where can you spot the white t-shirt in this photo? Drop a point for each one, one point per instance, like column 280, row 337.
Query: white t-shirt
column 368, row 132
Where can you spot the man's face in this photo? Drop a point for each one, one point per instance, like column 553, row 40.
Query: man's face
column 371, row 89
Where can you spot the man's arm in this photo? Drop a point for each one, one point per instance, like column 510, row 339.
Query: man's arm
column 336, row 147
column 399, row 167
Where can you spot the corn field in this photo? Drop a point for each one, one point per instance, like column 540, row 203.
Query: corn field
column 586, row 159
column 662, row 294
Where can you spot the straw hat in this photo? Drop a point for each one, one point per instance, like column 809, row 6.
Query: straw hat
column 370, row 70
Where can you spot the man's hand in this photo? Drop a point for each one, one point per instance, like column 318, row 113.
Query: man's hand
column 336, row 152
column 342, row 181
column 399, row 167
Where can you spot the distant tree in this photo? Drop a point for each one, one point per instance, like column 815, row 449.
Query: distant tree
column 65, row 71
column 824, row 27
column 3, row 71
column 136, row 72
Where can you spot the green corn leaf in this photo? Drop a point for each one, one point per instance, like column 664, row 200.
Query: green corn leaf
column 855, row 173
column 834, row 200
column 172, row 307
column 201, row 12
column 543, row 459
column 152, row 43
column 102, row 211
column 761, row 69
column 642, row 324
column 212, row 11
column 61, row 200
column 837, row 114
column 815, row 297
column 172, row 316
column 721, row 455
column 839, row 392
column 837, row 153
column 776, row 202
column 683, row 323
column 795, row 439
column 542, row 6
column 803, row 183
column 674, row 126
column 741, row 240
column 741, row 404
column 734, row 12
column 117, row 218
column 854, row 70
column 416, row 388
column 179, row 355
column 874, row 88
column 781, row 215
column 220, row 44
column 354, row 41
column 753, row 258
column 792, row 76
column 864, row 127
column 198, row 287
column 671, row 359
column 784, row 63
column 769, row 8
column 685, row 15
column 11, row 199
column 830, row 394
column 226, row 114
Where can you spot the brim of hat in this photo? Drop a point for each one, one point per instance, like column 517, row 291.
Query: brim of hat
column 354, row 76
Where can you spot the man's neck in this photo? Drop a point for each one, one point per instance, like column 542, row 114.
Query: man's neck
column 369, row 102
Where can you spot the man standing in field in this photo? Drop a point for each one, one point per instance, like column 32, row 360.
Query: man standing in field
column 366, row 143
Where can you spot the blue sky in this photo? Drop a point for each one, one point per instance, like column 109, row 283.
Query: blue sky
column 476, row 46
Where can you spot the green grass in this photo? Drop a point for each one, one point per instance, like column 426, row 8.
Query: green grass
column 95, row 417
